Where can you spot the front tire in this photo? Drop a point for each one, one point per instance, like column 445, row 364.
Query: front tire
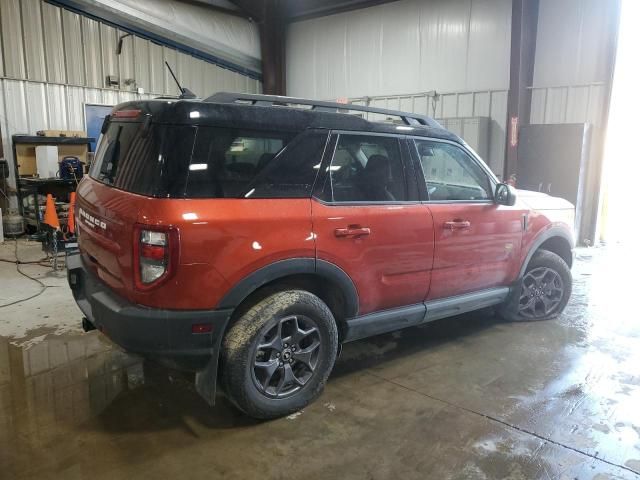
column 544, row 290
column 277, row 356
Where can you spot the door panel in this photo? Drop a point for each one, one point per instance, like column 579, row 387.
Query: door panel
column 391, row 265
column 481, row 253
column 370, row 223
column 477, row 242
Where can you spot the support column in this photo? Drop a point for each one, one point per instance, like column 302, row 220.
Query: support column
column 272, row 45
column 524, row 29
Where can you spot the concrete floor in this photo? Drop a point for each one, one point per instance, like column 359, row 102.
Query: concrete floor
column 464, row 398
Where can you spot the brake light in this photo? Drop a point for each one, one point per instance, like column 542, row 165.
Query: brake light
column 127, row 114
column 155, row 254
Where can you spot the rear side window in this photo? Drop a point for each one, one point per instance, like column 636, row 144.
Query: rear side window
column 292, row 173
column 228, row 163
column 128, row 158
column 366, row 168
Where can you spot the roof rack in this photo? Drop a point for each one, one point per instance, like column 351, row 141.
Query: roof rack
column 318, row 106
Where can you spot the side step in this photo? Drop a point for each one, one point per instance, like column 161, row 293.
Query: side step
column 385, row 321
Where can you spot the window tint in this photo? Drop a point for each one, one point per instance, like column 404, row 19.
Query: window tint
column 226, row 161
column 128, row 158
column 450, row 173
column 292, row 172
column 208, row 162
column 366, row 168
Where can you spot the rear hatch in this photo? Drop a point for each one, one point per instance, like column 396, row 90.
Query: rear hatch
column 125, row 174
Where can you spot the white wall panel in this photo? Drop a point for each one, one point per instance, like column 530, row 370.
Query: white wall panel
column 488, row 56
column 409, row 46
column 56, row 99
column 110, row 97
column 12, row 38
column 125, row 60
column 109, row 43
column 73, row 48
column 93, row 95
column 53, row 43
column 34, row 40
column 157, row 68
column 36, row 107
column 92, row 53
column 183, row 72
column 573, row 42
column 15, row 107
column 197, row 76
column 444, row 40
column 75, row 108
column 141, row 63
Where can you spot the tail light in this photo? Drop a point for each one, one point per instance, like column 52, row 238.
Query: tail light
column 155, row 251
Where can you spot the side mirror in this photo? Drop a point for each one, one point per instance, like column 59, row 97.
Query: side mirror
column 505, row 195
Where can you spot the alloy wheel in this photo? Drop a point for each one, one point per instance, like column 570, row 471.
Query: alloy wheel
column 286, row 356
column 542, row 292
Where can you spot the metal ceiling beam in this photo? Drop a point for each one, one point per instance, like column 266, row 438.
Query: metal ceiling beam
column 297, row 10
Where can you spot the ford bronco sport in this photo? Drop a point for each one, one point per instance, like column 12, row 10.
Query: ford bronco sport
column 245, row 237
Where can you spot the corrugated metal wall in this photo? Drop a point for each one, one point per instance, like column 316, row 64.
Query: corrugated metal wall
column 575, row 50
column 52, row 61
column 410, row 46
column 573, row 60
column 395, row 52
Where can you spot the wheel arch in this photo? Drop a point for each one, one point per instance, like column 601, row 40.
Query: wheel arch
column 324, row 279
column 556, row 240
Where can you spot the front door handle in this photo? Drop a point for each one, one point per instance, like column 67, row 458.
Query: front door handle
column 457, row 224
column 352, row 231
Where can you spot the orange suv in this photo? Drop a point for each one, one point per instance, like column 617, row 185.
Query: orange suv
column 245, row 237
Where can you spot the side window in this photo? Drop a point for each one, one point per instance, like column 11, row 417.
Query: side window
column 225, row 161
column 450, row 173
column 293, row 171
column 366, row 168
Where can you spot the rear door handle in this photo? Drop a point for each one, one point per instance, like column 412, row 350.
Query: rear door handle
column 352, row 231
column 457, row 224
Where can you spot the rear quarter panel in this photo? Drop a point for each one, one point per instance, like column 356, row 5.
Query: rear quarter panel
column 221, row 241
column 224, row 240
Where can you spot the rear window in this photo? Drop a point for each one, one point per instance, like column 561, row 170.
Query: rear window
column 208, row 162
column 128, row 158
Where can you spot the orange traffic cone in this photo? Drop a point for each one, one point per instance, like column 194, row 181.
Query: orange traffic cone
column 50, row 215
column 71, row 221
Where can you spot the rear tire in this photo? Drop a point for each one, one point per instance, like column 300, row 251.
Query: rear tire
column 278, row 355
column 543, row 292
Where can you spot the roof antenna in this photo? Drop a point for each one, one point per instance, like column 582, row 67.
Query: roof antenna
column 184, row 92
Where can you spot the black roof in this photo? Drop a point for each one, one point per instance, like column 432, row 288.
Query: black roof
column 248, row 111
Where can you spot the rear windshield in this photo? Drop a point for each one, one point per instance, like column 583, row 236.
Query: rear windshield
column 208, row 162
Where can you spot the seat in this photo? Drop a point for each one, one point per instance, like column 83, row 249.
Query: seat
column 376, row 179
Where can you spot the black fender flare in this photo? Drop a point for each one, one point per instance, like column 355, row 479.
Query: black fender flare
column 543, row 237
column 294, row 266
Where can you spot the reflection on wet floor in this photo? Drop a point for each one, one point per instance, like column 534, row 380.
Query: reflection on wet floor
column 468, row 397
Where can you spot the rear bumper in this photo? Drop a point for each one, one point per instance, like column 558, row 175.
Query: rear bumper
column 165, row 335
